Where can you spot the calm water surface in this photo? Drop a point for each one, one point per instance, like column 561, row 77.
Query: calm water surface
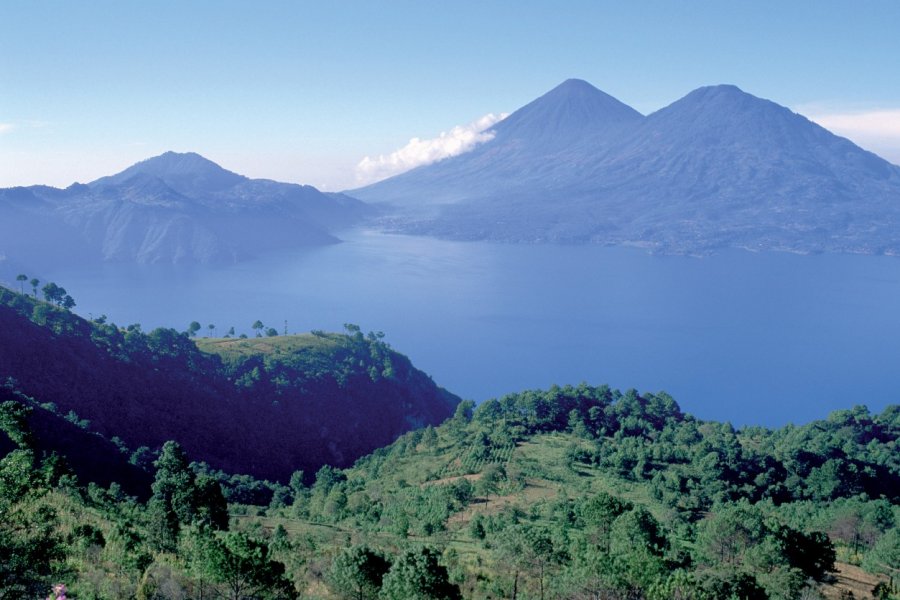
column 751, row 338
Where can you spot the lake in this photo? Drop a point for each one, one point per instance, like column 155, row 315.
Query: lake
column 752, row 338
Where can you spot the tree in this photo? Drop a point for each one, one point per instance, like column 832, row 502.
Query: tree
column 180, row 498
column 258, row 327
column 162, row 524
column 193, row 328
column 596, row 516
column 476, row 527
column 813, row 553
column 29, row 538
column 211, row 508
column 418, row 575
column 357, row 572
column 142, row 457
column 212, row 329
column 172, row 502
column 175, row 480
column 529, row 550
column 724, row 536
column 242, row 564
column 34, row 285
column 637, row 545
column 271, row 332
column 326, row 478
column 490, row 480
column 29, row 547
column 429, row 437
column 22, row 279
column 884, row 557
column 297, row 485
column 55, row 294
column 17, row 476
column 14, row 422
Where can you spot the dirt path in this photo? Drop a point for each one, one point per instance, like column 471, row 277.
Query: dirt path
column 850, row 579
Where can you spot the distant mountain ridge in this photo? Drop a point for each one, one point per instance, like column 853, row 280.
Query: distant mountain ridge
column 717, row 168
column 175, row 207
column 188, row 173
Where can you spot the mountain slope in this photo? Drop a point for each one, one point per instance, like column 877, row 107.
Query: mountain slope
column 170, row 208
column 188, row 173
column 717, row 168
column 90, row 456
column 531, row 145
column 586, row 492
column 325, row 399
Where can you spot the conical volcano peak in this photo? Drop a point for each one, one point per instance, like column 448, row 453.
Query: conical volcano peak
column 722, row 90
column 574, row 86
column 188, row 173
column 581, row 97
column 719, row 108
column 723, row 99
column 177, row 162
column 573, row 108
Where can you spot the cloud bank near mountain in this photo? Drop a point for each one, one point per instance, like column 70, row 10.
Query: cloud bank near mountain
column 877, row 130
column 418, row 152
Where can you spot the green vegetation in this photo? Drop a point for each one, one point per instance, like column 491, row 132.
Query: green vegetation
column 568, row 492
column 105, row 544
column 313, row 400
column 571, row 492
column 585, row 492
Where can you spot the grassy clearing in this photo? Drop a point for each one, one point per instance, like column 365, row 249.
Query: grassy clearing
column 283, row 344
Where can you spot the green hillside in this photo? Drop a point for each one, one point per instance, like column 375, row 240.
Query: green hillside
column 571, row 492
column 584, row 492
column 574, row 492
column 74, row 450
column 311, row 400
column 234, row 349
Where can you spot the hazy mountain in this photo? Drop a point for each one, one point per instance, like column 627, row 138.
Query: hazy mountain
column 188, row 173
column 717, row 168
column 532, row 145
column 171, row 208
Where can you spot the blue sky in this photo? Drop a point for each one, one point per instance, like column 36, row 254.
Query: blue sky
column 302, row 91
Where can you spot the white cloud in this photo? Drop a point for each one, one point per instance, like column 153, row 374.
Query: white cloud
column 5, row 128
column 876, row 130
column 417, row 152
column 876, row 123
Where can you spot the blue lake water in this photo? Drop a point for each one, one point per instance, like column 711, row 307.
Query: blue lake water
column 765, row 338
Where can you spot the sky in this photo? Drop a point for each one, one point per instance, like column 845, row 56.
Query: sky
column 338, row 93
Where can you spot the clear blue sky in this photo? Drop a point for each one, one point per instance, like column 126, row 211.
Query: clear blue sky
column 302, row 91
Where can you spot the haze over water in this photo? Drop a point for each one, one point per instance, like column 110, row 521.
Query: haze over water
column 754, row 338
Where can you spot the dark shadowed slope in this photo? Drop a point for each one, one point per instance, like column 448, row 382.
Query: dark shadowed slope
column 718, row 168
column 267, row 408
column 86, row 454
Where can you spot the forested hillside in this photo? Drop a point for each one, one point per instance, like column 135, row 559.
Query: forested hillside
column 302, row 402
column 586, row 492
column 574, row 492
